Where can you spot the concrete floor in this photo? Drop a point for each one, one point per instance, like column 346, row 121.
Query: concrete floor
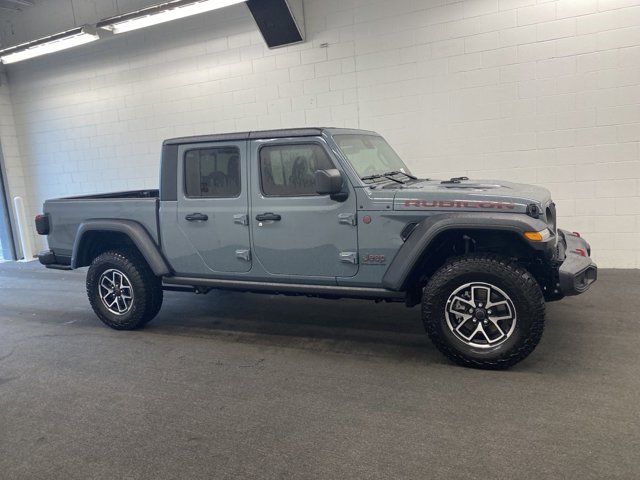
column 251, row 386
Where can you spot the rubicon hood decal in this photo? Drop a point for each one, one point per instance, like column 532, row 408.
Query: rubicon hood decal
column 463, row 204
column 468, row 196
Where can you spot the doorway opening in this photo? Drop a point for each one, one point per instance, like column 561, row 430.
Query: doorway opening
column 7, row 247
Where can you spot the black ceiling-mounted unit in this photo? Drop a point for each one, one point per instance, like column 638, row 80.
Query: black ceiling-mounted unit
column 277, row 22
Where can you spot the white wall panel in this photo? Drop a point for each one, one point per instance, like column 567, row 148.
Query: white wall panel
column 540, row 92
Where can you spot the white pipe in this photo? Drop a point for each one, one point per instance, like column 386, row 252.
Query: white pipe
column 23, row 230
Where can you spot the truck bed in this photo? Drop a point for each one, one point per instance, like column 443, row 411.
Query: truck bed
column 67, row 214
column 115, row 195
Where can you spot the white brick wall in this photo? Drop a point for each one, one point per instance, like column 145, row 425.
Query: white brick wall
column 543, row 92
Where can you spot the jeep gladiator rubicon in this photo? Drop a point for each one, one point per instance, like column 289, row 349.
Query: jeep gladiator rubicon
column 330, row 213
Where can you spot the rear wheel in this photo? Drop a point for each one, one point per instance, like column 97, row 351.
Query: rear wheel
column 123, row 291
column 483, row 311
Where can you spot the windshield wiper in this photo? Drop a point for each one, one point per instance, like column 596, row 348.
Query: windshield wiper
column 387, row 175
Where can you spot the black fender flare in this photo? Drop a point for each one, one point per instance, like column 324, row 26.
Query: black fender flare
column 132, row 229
column 428, row 229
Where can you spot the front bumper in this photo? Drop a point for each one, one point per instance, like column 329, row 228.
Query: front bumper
column 577, row 271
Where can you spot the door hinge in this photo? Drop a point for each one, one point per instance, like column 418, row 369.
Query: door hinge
column 347, row 218
column 241, row 219
column 349, row 257
column 244, row 254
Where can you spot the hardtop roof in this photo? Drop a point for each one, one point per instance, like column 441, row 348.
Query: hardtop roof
column 262, row 134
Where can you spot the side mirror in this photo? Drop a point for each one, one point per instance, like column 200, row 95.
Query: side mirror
column 328, row 182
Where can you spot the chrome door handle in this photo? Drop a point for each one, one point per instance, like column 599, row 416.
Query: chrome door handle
column 197, row 217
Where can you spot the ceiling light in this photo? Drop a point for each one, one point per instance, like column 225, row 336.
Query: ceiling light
column 162, row 13
column 53, row 43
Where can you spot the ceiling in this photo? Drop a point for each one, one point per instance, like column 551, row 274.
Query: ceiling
column 25, row 20
column 281, row 22
column 15, row 5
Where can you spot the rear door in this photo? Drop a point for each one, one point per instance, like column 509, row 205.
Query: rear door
column 295, row 231
column 212, row 208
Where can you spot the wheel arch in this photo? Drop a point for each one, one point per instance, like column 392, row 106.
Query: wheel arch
column 97, row 236
column 421, row 247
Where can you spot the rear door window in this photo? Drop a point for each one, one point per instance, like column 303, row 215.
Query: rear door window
column 212, row 172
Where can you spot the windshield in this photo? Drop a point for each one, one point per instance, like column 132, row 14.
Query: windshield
column 370, row 155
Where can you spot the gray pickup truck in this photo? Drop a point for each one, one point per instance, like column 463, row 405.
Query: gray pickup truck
column 331, row 213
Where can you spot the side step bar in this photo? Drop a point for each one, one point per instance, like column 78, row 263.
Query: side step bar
column 287, row 288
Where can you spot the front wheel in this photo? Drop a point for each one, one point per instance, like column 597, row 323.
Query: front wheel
column 483, row 311
column 123, row 291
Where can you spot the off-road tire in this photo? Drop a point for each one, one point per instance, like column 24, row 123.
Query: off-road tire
column 156, row 301
column 147, row 289
column 508, row 276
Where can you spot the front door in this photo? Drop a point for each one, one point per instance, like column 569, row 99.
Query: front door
column 296, row 231
column 212, row 213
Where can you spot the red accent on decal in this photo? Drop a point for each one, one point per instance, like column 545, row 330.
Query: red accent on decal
column 459, row 204
column 581, row 252
column 366, row 219
column 576, row 234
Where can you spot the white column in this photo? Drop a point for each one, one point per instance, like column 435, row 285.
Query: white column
column 23, row 229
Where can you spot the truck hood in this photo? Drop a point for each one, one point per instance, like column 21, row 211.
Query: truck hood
column 470, row 195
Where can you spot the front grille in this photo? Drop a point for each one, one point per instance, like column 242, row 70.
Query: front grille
column 550, row 215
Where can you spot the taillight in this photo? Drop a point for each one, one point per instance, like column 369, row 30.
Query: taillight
column 42, row 224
